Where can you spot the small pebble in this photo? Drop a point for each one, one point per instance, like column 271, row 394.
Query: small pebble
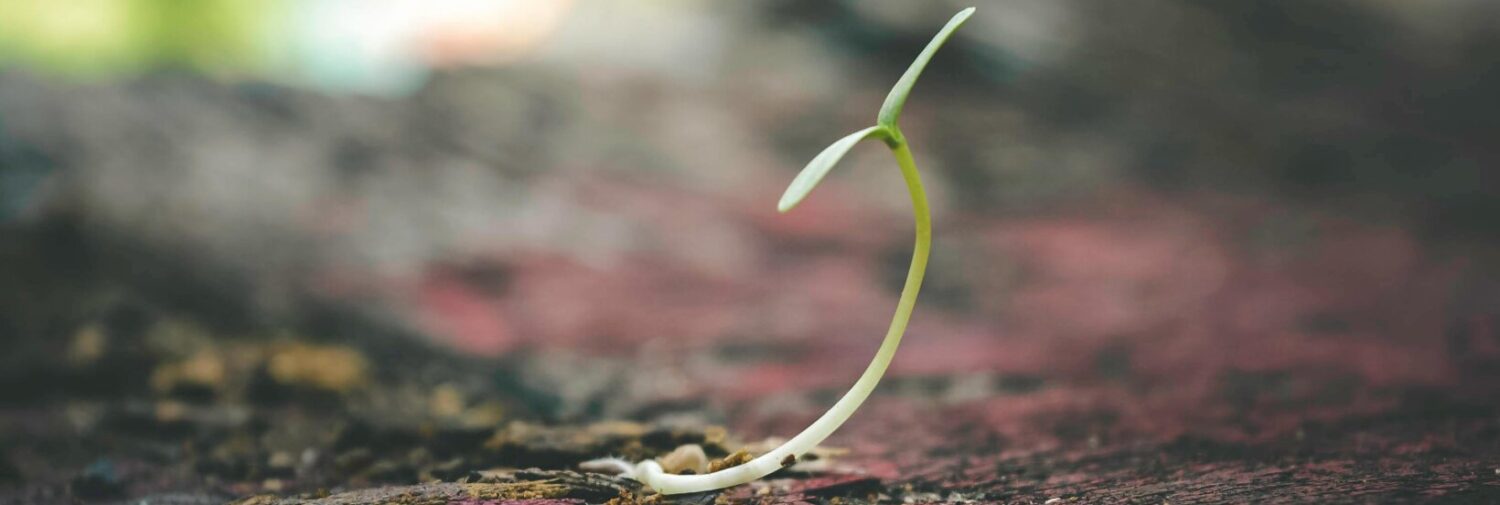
column 686, row 459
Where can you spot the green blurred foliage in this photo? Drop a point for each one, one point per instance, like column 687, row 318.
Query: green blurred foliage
column 88, row 38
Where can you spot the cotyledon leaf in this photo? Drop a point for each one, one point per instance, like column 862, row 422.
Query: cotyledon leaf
column 890, row 111
column 821, row 164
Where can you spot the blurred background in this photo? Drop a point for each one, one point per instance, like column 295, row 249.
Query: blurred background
column 1155, row 220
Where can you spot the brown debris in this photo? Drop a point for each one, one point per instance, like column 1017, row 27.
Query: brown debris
column 820, row 452
column 329, row 368
column 636, row 499
column 738, row 458
column 87, row 346
column 525, row 490
column 204, row 369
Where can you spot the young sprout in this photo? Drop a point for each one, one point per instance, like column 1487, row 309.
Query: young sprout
column 885, row 130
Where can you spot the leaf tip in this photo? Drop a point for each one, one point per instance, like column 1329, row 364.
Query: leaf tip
column 821, row 164
column 890, row 111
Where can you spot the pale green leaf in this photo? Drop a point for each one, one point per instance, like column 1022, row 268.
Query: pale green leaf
column 821, row 164
column 890, row 111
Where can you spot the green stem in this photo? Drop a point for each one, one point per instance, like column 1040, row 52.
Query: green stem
column 651, row 473
column 923, row 248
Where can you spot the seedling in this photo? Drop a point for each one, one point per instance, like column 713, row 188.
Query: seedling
column 885, row 130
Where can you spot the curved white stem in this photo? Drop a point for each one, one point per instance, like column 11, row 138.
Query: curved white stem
column 651, row 473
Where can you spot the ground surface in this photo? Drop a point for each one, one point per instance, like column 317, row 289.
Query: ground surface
column 1327, row 398
column 1261, row 437
column 236, row 292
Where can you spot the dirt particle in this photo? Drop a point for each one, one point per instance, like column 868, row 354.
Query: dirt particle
column 489, row 413
column 330, row 368
column 87, row 346
column 525, row 490
column 204, row 372
column 629, row 498
column 739, row 457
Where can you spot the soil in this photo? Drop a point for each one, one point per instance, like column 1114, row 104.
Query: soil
column 1147, row 346
column 149, row 406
